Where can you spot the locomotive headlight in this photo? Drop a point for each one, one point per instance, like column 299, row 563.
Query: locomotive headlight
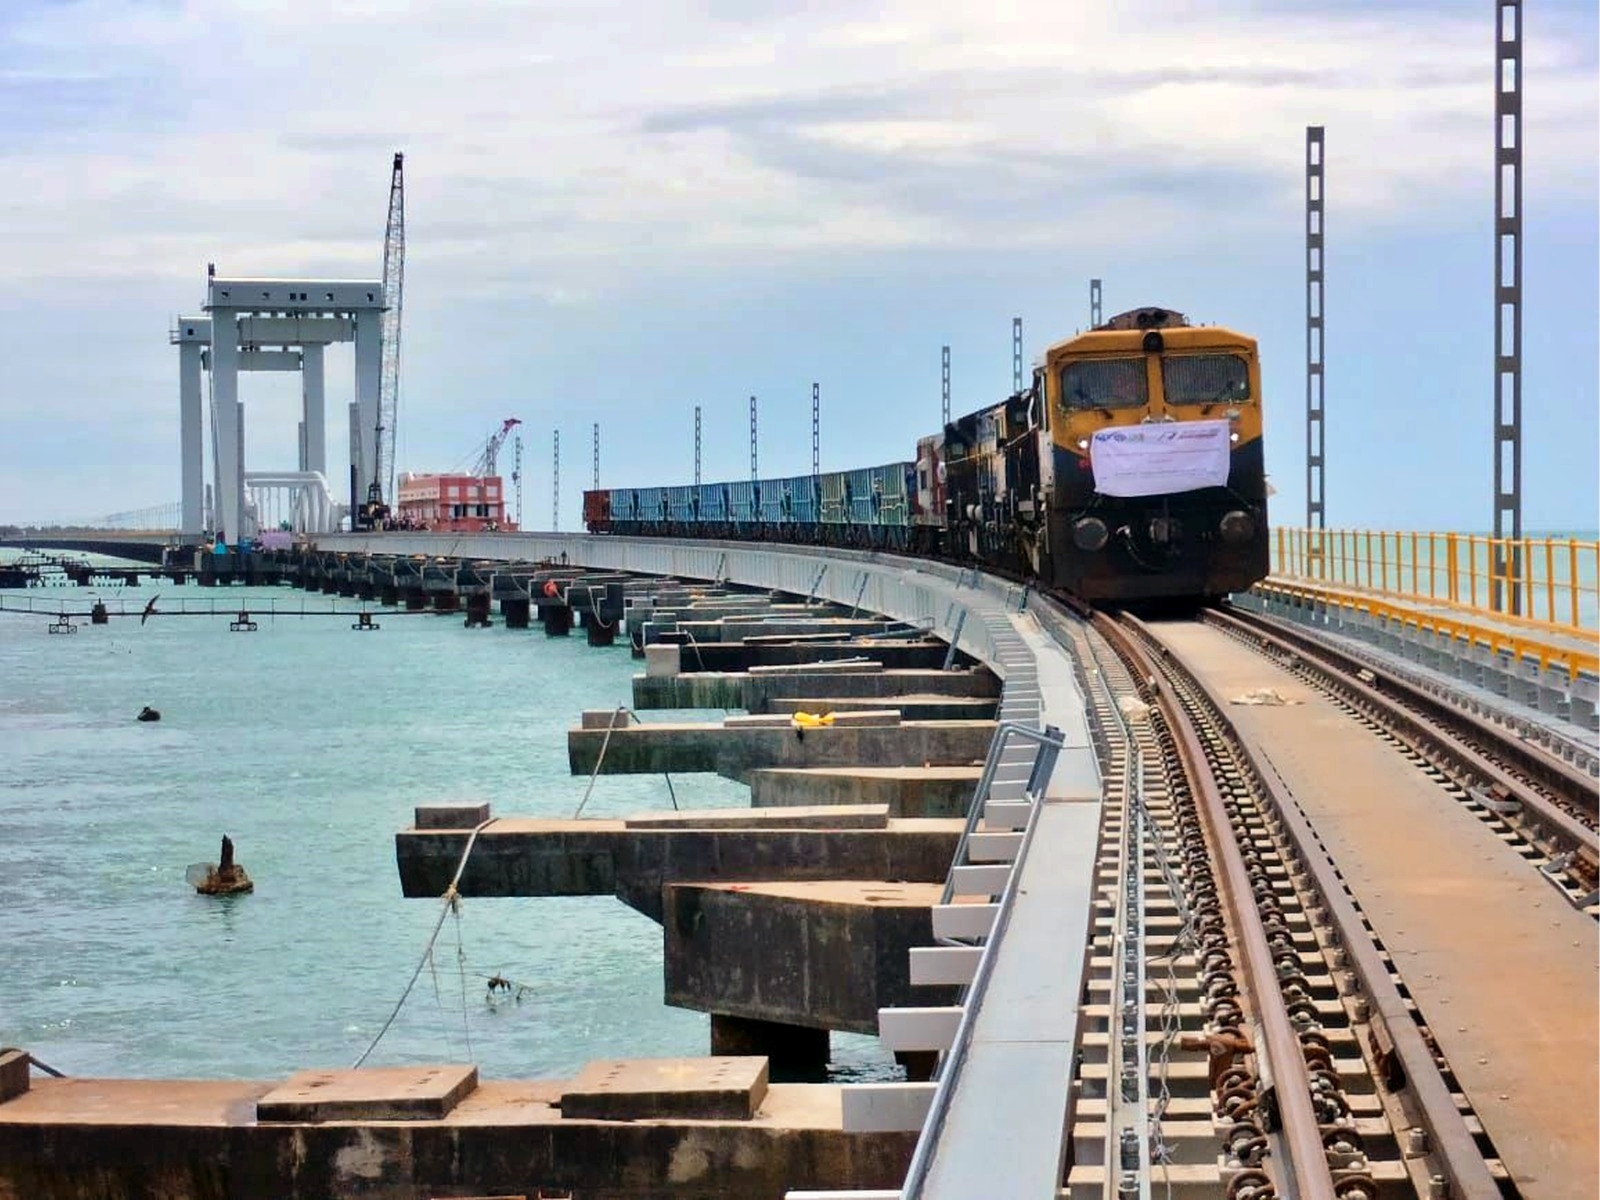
column 1233, row 437
column 1237, row 527
column 1090, row 533
column 1083, row 443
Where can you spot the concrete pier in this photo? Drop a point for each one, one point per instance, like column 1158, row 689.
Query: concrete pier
column 517, row 611
column 929, row 706
column 636, row 858
column 445, row 584
column 709, row 629
column 783, row 925
column 741, row 745
column 599, row 631
column 823, row 954
column 795, row 1050
column 898, row 654
column 150, row 1139
column 757, row 691
column 556, row 618
column 902, row 791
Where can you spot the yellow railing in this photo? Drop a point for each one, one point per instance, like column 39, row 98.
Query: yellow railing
column 1532, row 646
column 1547, row 582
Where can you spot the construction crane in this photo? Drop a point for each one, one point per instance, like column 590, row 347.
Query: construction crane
column 487, row 458
column 394, row 270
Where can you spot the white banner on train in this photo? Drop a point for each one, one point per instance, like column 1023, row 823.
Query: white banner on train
column 1157, row 460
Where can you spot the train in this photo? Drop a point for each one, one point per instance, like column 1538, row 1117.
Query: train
column 1131, row 469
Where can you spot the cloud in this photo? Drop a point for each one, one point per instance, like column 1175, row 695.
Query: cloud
column 618, row 210
column 564, row 138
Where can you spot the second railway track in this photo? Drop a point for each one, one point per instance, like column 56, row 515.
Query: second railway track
column 1551, row 804
column 1252, row 1037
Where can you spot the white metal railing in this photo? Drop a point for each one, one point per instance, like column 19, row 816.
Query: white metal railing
column 1048, row 743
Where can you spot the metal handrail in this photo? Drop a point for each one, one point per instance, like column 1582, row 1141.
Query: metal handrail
column 951, row 1061
column 1550, row 581
column 955, row 640
column 1049, row 736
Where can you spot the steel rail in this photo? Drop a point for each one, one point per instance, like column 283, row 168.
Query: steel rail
column 1340, row 672
column 1307, row 1163
column 1399, row 1041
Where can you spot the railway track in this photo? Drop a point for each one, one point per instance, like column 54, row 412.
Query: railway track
column 1248, row 1037
column 1519, row 788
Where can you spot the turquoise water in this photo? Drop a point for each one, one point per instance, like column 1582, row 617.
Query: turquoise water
column 309, row 745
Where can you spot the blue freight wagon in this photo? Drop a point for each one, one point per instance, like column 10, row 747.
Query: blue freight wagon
column 744, row 506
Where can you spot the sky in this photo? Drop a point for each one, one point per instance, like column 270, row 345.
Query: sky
column 618, row 211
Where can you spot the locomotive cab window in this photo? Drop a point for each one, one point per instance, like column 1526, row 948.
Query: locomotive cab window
column 1104, row 383
column 1206, row 379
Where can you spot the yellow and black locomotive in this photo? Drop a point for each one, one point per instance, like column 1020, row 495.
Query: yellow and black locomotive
column 1131, row 470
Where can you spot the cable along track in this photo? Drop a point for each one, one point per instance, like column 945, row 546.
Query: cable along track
column 1519, row 789
column 1224, row 929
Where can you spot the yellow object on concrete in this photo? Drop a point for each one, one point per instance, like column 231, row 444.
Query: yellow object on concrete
column 805, row 720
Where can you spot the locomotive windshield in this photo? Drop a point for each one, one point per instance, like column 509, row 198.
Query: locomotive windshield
column 1104, row 383
column 1205, row 379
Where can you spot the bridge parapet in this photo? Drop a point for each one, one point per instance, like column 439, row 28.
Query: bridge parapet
column 1549, row 584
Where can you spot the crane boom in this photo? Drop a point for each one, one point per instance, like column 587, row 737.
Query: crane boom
column 394, row 269
column 489, row 458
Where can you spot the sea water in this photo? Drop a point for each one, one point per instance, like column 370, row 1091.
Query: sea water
column 309, row 744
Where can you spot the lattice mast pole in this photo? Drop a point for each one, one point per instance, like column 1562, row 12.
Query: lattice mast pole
column 754, row 474
column 516, row 474
column 597, row 456
column 697, row 445
column 816, row 430
column 381, row 486
column 1316, row 444
column 944, row 381
column 1508, row 305
column 1016, row 355
column 555, row 486
column 1096, row 309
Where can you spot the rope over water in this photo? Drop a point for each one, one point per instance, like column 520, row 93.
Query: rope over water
column 452, row 903
column 595, row 774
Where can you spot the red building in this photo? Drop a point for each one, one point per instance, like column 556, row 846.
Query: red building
column 452, row 503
